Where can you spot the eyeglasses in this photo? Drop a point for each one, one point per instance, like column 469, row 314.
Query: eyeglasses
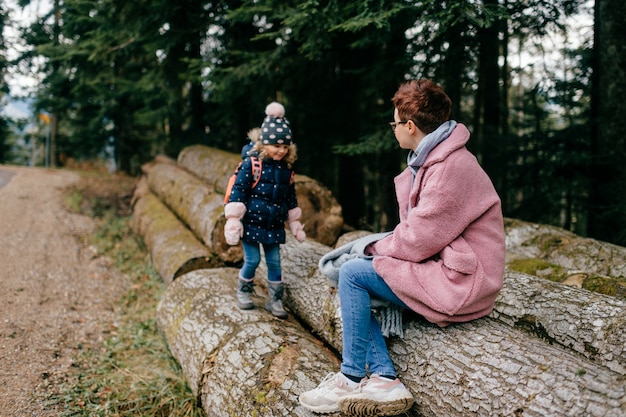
column 393, row 125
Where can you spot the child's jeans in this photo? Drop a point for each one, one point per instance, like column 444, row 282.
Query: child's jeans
column 363, row 342
column 252, row 259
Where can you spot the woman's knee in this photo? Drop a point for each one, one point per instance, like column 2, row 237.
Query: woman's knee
column 351, row 271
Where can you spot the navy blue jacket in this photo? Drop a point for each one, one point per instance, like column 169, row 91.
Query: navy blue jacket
column 268, row 203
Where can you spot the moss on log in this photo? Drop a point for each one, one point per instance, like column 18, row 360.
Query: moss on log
column 561, row 256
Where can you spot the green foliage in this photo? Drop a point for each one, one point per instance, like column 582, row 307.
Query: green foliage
column 130, row 80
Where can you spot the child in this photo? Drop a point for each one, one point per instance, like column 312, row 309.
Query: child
column 257, row 215
column 444, row 260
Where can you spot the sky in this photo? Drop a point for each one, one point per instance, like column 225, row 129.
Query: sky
column 20, row 85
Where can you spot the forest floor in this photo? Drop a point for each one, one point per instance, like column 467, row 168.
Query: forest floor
column 59, row 297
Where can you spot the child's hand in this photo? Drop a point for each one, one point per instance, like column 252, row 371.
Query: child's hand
column 233, row 230
column 297, row 229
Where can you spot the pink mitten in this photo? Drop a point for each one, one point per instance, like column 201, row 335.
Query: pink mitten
column 233, row 229
column 297, row 229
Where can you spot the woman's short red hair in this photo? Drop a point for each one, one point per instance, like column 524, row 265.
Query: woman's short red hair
column 424, row 102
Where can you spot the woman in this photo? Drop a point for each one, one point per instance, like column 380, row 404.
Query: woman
column 444, row 260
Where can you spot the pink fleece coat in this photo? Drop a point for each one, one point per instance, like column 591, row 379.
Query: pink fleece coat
column 445, row 259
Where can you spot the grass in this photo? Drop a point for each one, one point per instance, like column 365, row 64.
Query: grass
column 133, row 372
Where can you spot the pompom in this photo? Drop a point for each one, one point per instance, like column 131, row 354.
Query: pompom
column 275, row 109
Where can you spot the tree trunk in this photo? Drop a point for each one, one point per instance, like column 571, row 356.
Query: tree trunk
column 608, row 171
column 487, row 118
column 173, row 248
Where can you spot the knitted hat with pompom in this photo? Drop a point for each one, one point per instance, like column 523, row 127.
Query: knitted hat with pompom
column 275, row 129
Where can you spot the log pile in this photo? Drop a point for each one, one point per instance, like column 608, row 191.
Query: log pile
column 547, row 349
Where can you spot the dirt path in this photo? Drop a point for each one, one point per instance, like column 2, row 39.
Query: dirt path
column 55, row 292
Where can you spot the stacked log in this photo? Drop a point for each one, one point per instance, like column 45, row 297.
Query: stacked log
column 192, row 188
column 239, row 363
column 546, row 349
column 492, row 366
column 173, row 248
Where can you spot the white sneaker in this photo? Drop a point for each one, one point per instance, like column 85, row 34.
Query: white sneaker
column 377, row 396
column 324, row 399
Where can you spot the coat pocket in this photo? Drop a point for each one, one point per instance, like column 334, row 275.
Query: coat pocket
column 459, row 257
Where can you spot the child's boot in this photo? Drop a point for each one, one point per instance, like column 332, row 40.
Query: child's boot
column 275, row 299
column 244, row 293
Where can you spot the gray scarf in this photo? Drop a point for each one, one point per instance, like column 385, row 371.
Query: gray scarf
column 415, row 159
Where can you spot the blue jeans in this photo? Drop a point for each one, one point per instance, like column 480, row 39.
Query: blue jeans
column 252, row 259
column 363, row 343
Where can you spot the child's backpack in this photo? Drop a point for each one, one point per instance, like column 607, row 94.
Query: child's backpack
column 256, row 176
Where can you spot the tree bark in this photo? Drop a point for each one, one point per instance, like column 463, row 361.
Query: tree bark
column 607, row 201
column 212, row 165
column 493, row 366
column 173, row 248
column 321, row 213
column 556, row 245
